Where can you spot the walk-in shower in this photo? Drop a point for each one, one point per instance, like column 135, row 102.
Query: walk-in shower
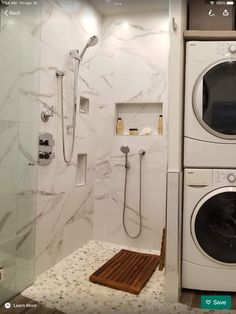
column 125, row 150
column 60, row 74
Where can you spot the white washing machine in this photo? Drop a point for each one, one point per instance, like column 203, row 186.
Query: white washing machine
column 210, row 105
column 209, row 230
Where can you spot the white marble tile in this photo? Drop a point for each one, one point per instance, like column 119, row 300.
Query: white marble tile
column 9, row 98
column 52, row 61
column 29, row 56
column 7, row 288
column 141, row 87
column 29, row 93
column 30, row 19
column 7, row 224
column 153, row 176
column 47, row 176
column 26, row 186
column 28, row 144
column 86, row 23
column 71, row 214
column 9, row 135
column 25, row 244
column 9, row 188
column 9, row 49
column 109, row 207
column 48, row 222
column 50, row 255
column 56, row 19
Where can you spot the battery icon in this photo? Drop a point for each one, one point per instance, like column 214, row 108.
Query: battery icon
column 230, row 2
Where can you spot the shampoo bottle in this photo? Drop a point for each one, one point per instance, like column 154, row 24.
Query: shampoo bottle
column 160, row 124
column 119, row 127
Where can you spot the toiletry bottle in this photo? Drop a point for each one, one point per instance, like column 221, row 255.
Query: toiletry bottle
column 119, row 127
column 160, row 124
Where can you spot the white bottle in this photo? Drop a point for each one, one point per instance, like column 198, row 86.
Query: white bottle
column 160, row 125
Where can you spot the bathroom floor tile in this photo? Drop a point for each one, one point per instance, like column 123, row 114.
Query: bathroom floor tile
column 67, row 288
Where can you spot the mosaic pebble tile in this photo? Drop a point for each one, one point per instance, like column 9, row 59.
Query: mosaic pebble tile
column 67, row 288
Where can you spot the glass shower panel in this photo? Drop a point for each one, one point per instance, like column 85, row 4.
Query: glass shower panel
column 19, row 88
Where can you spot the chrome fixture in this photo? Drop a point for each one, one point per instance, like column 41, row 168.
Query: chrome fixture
column 125, row 150
column 46, row 154
column 60, row 74
column 141, row 152
column 77, row 58
column 45, row 114
column 90, row 43
column 74, row 54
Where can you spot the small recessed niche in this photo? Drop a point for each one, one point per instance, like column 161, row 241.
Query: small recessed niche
column 84, row 105
column 141, row 117
column 81, row 171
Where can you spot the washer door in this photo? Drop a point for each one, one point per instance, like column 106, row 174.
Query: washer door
column 214, row 99
column 213, row 225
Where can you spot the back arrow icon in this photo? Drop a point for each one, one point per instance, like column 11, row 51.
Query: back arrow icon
column 6, row 12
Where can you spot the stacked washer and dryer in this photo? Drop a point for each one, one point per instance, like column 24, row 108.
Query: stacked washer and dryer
column 209, row 209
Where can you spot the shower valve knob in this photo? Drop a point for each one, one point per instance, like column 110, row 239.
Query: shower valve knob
column 44, row 155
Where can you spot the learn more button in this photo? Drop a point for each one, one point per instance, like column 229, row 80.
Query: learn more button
column 216, row 302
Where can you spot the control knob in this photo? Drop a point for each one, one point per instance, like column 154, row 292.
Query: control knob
column 232, row 49
column 231, row 178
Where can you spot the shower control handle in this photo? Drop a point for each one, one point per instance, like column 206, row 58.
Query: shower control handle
column 45, row 149
column 46, row 142
column 45, row 115
column 44, row 155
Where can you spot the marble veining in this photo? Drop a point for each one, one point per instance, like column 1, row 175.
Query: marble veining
column 4, row 220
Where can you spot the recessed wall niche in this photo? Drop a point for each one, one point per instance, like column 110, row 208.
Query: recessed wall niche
column 81, row 171
column 84, row 105
column 141, row 116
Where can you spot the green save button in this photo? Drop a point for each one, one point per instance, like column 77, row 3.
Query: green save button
column 216, row 302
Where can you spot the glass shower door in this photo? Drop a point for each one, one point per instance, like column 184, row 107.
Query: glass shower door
column 19, row 87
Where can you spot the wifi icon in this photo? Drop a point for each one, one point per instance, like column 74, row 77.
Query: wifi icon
column 212, row 2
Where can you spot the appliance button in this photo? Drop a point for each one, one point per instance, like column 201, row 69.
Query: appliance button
column 231, row 177
column 232, row 49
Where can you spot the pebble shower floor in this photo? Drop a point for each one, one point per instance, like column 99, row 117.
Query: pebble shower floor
column 67, row 288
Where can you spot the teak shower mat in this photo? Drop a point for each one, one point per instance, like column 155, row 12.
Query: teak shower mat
column 127, row 271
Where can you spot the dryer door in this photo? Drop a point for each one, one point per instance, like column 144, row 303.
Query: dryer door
column 214, row 99
column 213, row 225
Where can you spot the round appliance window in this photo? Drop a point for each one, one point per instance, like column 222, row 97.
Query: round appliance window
column 215, row 227
column 214, row 99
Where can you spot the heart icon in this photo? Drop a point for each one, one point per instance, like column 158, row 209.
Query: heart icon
column 208, row 302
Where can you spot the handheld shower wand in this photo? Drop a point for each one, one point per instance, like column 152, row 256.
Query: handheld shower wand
column 125, row 150
column 78, row 58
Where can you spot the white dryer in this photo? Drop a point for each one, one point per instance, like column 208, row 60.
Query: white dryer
column 209, row 230
column 210, row 105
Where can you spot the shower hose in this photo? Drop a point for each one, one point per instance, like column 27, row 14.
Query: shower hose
column 140, row 200
column 67, row 160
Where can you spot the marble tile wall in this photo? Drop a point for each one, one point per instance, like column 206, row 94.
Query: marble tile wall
column 19, row 52
column 133, row 65
column 65, row 211
column 129, row 65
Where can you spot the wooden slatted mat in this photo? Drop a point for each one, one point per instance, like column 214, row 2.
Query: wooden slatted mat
column 127, row 271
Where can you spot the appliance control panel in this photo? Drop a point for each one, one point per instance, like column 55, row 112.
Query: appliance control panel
column 224, row 177
column 226, row 49
column 198, row 177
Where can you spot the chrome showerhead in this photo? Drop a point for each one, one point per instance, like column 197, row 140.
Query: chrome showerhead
column 90, row 43
column 125, row 149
